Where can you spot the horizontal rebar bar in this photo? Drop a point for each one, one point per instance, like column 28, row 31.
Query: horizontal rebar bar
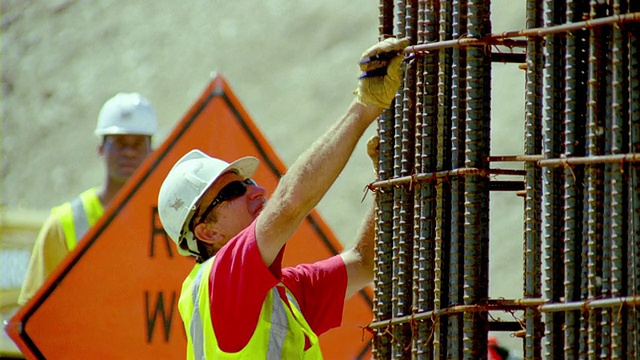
column 512, row 305
column 600, row 159
column 426, row 177
column 502, row 38
column 633, row 301
column 515, row 158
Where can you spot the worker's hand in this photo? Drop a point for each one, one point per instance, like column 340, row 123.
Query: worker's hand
column 373, row 150
column 381, row 72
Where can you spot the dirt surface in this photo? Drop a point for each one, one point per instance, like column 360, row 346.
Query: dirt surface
column 291, row 63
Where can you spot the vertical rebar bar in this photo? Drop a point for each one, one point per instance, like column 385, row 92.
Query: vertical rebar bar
column 575, row 118
column 596, row 130
column 404, row 137
column 619, row 206
column 448, row 341
column 532, row 204
column 633, row 179
column 382, row 276
column 552, row 186
column 457, row 128
column 477, row 139
column 426, row 280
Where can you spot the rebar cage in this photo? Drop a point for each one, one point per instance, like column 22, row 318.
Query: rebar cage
column 579, row 182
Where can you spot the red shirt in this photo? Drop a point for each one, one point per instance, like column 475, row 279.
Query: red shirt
column 240, row 281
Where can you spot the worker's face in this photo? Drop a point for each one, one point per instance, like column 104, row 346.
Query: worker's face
column 123, row 154
column 235, row 213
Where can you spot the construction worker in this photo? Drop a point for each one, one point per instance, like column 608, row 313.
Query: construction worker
column 238, row 302
column 125, row 125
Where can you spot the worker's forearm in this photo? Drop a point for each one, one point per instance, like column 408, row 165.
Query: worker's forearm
column 316, row 169
column 309, row 178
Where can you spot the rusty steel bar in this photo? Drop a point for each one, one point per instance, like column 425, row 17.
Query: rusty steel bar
column 619, row 205
column 422, row 277
column 553, row 107
column 501, row 38
column 620, row 302
column 476, row 206
column 443, row 213
column 515, row 158
column 532, row 205
column 595, row 175
column 459, row 22
column 590, row 160
column 574, row 120
column 427, row 177
column 427, row 281
column 384, row 203
column 514, row 305
column 632, row 335
column 403, row 140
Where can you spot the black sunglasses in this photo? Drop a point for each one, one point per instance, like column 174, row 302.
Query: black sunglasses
column 232, row 190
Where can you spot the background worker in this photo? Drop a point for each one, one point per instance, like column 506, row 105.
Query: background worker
column 238, row 301
column 126, row 124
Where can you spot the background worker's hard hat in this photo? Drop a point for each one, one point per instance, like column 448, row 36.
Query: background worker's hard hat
column 183, row 187
column 127, row 114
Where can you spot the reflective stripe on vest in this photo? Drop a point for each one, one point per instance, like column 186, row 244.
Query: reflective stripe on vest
column 274, row 347
column 78, row 216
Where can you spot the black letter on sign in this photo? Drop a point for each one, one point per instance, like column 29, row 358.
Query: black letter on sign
column 157, row 230
column 159, row 309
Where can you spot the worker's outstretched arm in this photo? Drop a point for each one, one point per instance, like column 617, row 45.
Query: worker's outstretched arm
column 311, row 175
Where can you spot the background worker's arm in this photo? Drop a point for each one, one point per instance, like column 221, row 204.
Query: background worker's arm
column 311, row 175
column 48, row 251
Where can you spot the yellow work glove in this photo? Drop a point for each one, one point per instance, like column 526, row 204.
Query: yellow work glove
column 381, row 72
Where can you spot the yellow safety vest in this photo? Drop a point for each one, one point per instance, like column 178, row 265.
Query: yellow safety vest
column 78, row 215
column 279, row 334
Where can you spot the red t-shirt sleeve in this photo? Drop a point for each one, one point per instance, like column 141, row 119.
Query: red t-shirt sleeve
column 238, row 284
column 240, row 281
column 320, row 289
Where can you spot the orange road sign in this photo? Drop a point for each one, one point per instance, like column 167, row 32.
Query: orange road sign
column 116, row 294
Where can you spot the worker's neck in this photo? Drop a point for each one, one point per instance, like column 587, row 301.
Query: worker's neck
column 108, row 191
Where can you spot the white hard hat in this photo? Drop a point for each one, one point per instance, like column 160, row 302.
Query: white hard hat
column 127, row 114
column 183, row 187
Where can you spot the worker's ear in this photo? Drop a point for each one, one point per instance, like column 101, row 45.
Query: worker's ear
column 207, row 234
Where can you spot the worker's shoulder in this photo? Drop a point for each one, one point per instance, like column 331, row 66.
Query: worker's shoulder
column 66, row 207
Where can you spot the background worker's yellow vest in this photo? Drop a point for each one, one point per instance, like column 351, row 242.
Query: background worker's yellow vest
column 78, row 215
column 280, row 331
